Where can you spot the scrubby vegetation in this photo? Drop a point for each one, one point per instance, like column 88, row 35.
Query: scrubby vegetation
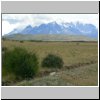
column 49, row 63
column 21, row 41
column 4, row 49
column 21, row 63
column 52, row 61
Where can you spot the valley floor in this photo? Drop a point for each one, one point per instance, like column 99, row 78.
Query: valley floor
column 80, row 63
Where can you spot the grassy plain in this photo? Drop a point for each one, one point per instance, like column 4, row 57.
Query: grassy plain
column 80, row 63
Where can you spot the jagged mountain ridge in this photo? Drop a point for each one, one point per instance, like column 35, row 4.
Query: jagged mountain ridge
column 78, row 28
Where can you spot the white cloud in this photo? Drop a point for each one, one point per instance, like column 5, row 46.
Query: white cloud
column 6, row 27
column 12, row 21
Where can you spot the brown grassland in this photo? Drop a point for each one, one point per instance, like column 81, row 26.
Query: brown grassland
column 80, row 63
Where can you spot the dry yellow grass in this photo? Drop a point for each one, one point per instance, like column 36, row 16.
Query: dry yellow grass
column 74, row 54
column 70, row 52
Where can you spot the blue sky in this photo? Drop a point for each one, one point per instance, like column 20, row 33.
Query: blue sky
column 12, row 21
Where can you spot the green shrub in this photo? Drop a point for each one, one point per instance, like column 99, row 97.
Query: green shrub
column 21, row 63
column 4, row 49
column 3, row 38
column 21, row 41
column 52, row 61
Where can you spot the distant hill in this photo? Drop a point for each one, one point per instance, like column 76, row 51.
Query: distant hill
column 49, row 37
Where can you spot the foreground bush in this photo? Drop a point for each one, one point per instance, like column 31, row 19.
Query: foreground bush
column 52, row 61
column 20, row 63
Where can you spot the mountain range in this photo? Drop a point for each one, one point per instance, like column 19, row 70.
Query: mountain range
column 53, row 28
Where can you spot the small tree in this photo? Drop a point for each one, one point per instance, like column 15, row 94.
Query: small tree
column 21, row 63
column 52, row 61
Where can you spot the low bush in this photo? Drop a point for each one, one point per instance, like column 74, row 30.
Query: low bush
column 21, row 41
column 20, row 62
column 52, row 61
column 4, row 49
